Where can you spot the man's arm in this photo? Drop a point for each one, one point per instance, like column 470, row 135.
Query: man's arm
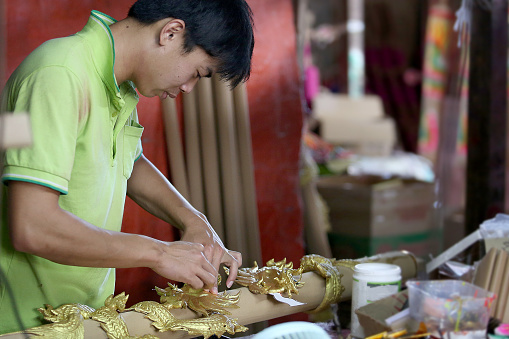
column 152, row 191
column 39, row 226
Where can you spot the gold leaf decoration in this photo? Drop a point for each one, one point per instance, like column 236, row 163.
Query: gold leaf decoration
column 280, row 277
column 276, row 277
column 214, row 318
column 347, row 263
column 208, row 325
column 67, row 322
column 198, row 300
column 215, row 324
column 109, row 317
column 326, row 268
column 162, row 318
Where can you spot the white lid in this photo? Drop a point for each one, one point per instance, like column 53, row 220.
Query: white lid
column 372, row 269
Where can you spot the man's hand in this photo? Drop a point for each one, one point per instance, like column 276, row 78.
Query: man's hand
column 186, row 262
column 199, row 230
column 152, row 191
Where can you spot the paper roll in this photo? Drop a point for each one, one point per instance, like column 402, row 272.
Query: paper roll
column 210, row 156
column 230, row 169
column 496, row 279
column 503, row 293
column 175, row 147
column 193, row 151
column 243, row 128
column 484, row 270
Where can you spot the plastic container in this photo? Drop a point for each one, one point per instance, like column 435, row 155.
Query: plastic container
column 450, row 305
column 372, row 282
column 292, row 330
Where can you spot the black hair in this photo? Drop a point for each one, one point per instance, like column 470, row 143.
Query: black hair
column 223, row 28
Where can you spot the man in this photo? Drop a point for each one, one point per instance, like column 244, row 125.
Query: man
column 65, row 195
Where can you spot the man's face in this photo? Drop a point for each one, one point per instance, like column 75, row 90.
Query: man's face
column 170, row 71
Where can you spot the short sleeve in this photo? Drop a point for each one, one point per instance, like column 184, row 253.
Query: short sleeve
column 53, row 98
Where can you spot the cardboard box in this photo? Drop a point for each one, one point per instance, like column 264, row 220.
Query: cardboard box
column 358, row 124
column 366, row 108
column 370, row 215
column 420, row 244
column 369, row 138
column 373, row 317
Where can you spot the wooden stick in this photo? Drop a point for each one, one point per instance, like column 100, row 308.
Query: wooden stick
column 193, row 151
column 175, row 147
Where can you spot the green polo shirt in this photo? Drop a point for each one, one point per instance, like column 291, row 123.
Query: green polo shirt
column 86, row 138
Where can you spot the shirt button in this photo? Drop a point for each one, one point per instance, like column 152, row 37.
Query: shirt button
column 114, row 113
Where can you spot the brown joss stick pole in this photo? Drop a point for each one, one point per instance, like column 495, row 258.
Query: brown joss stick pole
column 258, row 307
column 254, row 308
column 175, row 147
column 210, row 156
column 230, row 178
column 243, row 128
column 193, row 153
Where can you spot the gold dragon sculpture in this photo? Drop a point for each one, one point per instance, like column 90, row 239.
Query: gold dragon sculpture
column 212, row 315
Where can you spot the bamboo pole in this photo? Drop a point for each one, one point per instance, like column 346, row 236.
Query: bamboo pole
column 174, row 146
column 254, row 251
column 193, row 151
column 210, row 156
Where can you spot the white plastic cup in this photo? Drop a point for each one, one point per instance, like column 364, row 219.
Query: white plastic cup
column 372, row 282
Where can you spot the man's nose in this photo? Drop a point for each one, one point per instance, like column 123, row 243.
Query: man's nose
column 188, row 86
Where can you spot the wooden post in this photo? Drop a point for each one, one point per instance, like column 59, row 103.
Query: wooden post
column 487, row 114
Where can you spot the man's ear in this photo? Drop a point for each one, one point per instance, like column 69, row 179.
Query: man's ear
column 170, row 30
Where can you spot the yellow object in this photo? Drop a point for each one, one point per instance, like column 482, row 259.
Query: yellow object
column 378, row 335
column 67, row 320
column 385, row 334
column 397, row 334
column 276, row 277
column 327, row 269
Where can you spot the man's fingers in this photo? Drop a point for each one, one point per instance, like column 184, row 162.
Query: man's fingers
column 202, row 275
column 209, row 252
column 232, row 259
column 237, row 256
column 187, row 262
column 207, row 278
column 217, row 255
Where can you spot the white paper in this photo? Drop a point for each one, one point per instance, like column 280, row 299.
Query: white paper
column 288, row 301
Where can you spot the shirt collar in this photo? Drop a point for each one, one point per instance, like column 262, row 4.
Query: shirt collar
column 102, row 45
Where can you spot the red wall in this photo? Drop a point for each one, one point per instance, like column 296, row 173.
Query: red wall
column 276, row 121
column 276, row 126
